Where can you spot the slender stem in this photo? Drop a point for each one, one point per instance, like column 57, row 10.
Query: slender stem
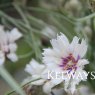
column 25, row 55
column 86, row 18
column 8, row 78
column 43, row 10
column 23, row 86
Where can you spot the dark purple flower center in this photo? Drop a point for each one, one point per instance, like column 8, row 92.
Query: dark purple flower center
column 69, row 63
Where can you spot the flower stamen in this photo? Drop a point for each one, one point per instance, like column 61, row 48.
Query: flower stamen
column 69, row 63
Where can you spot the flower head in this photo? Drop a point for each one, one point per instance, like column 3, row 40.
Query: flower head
column 39, row 73
column 35, row 69
column 8, row 46
column 66, row 57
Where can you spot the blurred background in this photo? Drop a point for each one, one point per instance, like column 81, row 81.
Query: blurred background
column 41, row 20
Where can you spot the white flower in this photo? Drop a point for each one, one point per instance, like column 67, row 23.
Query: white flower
column 35, row 69
column 84, row 90
column 74, row 7
column 66, row 57
column 49, row 32
column 39, row 71
column 8, row 46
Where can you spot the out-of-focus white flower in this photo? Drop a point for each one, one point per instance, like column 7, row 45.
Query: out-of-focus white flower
column 40, row 72
column 73, row 7
column 8, row 46
column 35, row 69
column 84, row 90
column 66, row 57
column 75, row 4
column 87, row 31
column 52, row 4
column 49, row 32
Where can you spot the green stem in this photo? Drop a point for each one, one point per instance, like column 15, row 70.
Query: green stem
column 25, row 55
column 43, row 10
column 86, row 18
column 23, row 86
column 13, row 84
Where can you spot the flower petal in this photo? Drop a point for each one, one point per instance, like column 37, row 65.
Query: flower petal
column 14, row 35
column 80, row 49
column 51, row 56
column 60, row 43
column 12, row 47
column 13, row 57
column 74, row 42
column 82, row 62
column 34, row 67
column 50, row 84
column 2, row 58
